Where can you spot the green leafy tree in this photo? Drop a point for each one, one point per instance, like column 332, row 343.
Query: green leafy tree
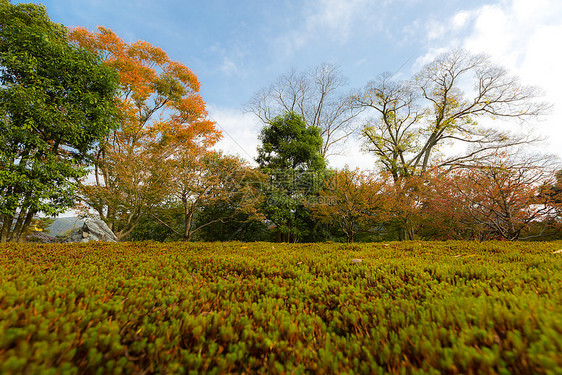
column 56, row 102
column 288, row 143
column 235, row 225
column 291, row 156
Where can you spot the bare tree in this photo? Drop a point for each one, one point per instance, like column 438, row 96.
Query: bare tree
column 317, row 96
column 414, row 118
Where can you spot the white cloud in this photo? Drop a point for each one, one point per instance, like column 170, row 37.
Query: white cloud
column 228, row 60
column 436, row 29
column 353, row 157
column 460, row 19
column 337, row 15
column 228, row 66
column 523, row 36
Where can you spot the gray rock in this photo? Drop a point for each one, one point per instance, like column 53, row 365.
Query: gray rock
column 92, row 230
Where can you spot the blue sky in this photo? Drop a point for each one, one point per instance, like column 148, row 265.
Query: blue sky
column 238, row 47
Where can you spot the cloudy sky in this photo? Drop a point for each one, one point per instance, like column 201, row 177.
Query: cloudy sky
column 238, row 47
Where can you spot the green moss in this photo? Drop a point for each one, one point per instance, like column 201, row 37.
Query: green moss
column 436, row 307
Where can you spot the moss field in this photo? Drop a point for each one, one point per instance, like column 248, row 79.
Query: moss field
column 408, row 307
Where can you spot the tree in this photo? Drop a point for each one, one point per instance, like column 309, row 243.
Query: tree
column 316, row 96
column 204, row 179
column 496, row 200
column 552, row 190
column 414, row 119
column 550, row 193
column 406, row 197
column 57, row 102
column 288, row 143
column 160, row 108
column 443, row 216
column 352, row 200
column 290, row 154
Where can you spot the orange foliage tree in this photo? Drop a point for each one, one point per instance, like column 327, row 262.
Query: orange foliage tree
column 160, row 108
column 406, row 197
column 352, row 200
column 499, row 200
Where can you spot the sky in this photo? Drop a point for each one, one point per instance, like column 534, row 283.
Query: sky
column 238, row 47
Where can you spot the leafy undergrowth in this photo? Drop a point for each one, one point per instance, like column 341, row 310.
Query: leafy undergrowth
column 437, row 307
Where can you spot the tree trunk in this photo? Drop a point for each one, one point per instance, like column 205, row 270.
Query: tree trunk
column 26, row 224
column 6, row 226
column 15, row 233
column 401, row 234
column 187, row 226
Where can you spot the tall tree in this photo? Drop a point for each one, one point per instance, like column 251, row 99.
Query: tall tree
column 406, row 197
column 56, row 103
column 290, row 154
column 160, row 108
column 414, row 119
column 316, row 95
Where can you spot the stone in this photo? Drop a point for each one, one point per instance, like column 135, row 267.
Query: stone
column 356, row 260
column 98, row 229
column 93, row 230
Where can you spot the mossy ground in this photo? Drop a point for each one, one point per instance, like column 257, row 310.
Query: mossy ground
column 413, row 307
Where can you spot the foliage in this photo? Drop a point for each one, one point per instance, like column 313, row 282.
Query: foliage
column 551, row 192
column 162, row 114
column 206, row 179
column 351, row 200
column 437, row 307
column 497, row 200
column 406, row 198
column 234, row 226
column 56, row 102
column 289, row 143
column 290, row 156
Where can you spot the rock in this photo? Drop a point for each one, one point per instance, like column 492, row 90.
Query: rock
column 99, row 230
column 92, row 230
column 356, row 260
column 557, row 251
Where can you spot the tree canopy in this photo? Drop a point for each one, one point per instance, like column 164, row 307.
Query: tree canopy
column 290, row 154
column 161, row 115
column 289, row 143
column 413, row 119
column 56, row 103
